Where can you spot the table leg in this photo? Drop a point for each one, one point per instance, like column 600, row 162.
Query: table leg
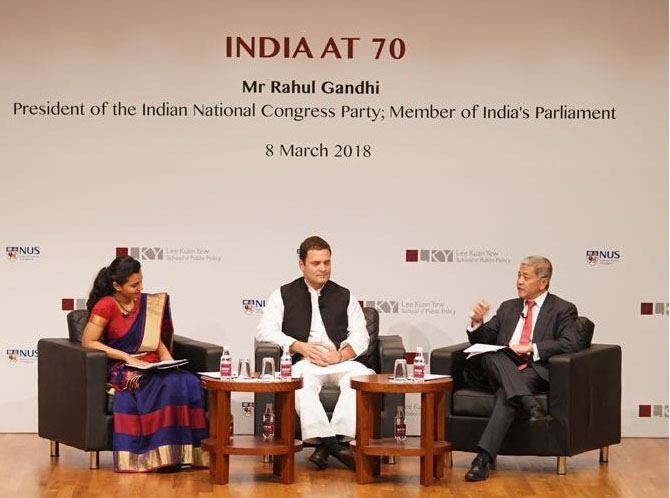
column 212, row 405
column 221, row 467
column 284, row 465
column 364, row 432
column 376, row 407
column 440, row 409
column 427, row 437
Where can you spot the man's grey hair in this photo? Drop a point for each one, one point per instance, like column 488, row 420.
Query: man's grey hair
column 541, row 265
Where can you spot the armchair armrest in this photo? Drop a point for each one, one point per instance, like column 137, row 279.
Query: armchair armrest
column 71, row 394
column 391, row 349
column 263, row 349
column 585, row 395
column 449, row 360
column 201, row 356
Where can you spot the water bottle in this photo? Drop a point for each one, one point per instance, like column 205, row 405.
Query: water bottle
column 226, row 364
column 286, row 365
column 232, row 426
column 400, row 427
column 419, row 365
column 268, row 423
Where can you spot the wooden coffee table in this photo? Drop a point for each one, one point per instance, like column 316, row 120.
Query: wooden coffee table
column 430, row 447
column 220, row 446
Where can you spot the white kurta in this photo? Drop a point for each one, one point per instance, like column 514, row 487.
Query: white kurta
column 313, row 419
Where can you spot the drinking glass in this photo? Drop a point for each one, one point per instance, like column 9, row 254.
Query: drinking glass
column 243, row 369
column 400, row 370
column 268, row 369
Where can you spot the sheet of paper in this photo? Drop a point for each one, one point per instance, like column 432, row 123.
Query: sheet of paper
column 160, row 365
column 476, row 349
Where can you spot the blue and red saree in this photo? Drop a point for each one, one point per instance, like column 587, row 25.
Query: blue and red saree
column 159, row 418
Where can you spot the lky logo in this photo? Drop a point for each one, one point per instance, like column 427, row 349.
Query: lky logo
column 654, row 309
column 382, row 306
column 429, row 255
column 648, row 411
column 72, row 304
column 142, row 253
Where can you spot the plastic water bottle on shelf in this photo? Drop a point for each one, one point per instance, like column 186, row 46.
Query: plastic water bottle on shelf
column 286, row 365
column 268, row 423
column 226, row 364
column 419, row 365
column 232, row 426
column 400, row 426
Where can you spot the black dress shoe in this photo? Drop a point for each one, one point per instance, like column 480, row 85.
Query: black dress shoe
column 538, row 416
column 320, row 457
column 479, row 471
column 346, row 456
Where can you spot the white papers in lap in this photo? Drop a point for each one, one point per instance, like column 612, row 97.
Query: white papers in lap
column 476, row 349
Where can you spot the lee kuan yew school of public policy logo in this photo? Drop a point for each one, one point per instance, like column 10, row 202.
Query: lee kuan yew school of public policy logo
column 72, row 304
column 183, row 254
column 455, row 256
column 654, row 308
column 649, row 411
column 409, row 307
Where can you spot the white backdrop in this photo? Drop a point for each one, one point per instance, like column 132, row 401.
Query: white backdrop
column 227, row 219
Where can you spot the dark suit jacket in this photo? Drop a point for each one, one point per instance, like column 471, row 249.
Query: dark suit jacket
column 555, row 331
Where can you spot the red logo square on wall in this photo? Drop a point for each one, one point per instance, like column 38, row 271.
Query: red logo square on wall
column 411, row 255
column 644, row 411
column 646, row 308
column 67, row 304
column 121, row 252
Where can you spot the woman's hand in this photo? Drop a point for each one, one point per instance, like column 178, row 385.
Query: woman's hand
column 135, row 362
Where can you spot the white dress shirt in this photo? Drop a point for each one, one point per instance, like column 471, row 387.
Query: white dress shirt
column 269, row 328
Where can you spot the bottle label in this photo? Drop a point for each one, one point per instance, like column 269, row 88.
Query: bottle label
column 268, row 430
column 401, row 431
column 419, row 371
column 226, row 368
column 286, row 370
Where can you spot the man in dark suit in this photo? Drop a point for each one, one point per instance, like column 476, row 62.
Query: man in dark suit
column 535, row 326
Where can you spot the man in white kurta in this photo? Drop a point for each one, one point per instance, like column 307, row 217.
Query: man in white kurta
column 328, row 354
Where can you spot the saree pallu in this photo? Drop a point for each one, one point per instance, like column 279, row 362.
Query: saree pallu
column 159, row 417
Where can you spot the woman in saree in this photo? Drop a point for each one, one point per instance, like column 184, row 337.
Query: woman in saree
column 159, row 418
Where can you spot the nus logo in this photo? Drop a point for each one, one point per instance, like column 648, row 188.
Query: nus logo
column 253, row 305
column 142, row 253
column 429, row 255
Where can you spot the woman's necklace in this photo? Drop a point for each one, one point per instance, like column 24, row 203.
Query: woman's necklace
column 124, row 311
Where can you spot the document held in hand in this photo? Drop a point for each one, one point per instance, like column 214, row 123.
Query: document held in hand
column 161, row 365
column 476, row 349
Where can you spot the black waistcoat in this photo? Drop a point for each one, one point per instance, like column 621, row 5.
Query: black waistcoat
column 333, row 303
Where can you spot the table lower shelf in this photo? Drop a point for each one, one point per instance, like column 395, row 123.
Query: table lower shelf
column 409, row 447
column 251, row 445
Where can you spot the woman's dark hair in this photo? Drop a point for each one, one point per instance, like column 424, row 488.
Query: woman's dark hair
column 118, row 271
